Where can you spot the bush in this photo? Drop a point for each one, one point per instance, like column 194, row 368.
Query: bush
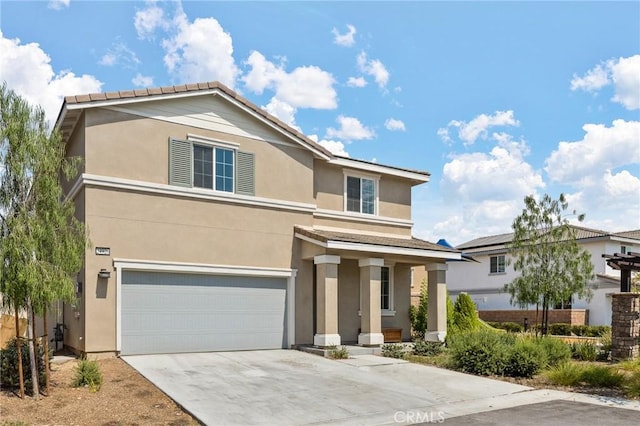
column 424, row 348
column 465, row 316
column 560, row 329
column 526, row 359
column 418, row 314
column 601, row 376
column 483, row 352
column 338, row 352
column 586, row 351
column 565, row 374
column 87, row 373
column 631, row 385
column 511, row 327
column 9, row 365
column 393, row 351
column 557, row 351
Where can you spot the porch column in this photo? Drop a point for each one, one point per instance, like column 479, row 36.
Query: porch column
column 437, row 308
column 370, row 313
column 326, row 301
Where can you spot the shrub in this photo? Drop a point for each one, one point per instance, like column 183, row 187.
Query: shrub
column 565, row 374
column 393, row 351
column 598, row 330
column 512, row 327
column 482, row 352
column 560, row 329
column 631, row 385
column 338, row 352
column 87, row 373
column 526, row 359
column 557, row 351
column 580, row 330
column 9, row 365
column 418, row 314
column 465, row 316
column 601, row 376
column 424, row 348
column 585, row 351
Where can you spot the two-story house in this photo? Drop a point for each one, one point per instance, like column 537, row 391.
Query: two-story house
column 484, row 279
column 215, row 226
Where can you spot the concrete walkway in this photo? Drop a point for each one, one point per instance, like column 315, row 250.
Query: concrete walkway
column 288, row 387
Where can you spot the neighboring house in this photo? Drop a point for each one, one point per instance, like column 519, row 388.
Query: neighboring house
column 484, row 280
column 215, row 226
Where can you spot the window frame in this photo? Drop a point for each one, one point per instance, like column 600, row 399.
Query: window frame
column 504, row 264
column 214, row 145
column 375, row 179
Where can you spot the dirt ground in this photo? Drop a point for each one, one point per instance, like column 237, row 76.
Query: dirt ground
column 126, row 398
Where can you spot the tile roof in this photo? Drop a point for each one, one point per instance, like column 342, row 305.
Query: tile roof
column 409, row 243
column 582, row 233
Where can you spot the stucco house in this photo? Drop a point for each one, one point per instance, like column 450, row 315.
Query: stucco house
column 215, row 226
column 484, row 279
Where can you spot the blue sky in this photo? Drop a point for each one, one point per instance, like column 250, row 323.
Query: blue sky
column 497, row 100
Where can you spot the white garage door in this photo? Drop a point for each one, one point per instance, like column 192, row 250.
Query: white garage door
column 176, row 312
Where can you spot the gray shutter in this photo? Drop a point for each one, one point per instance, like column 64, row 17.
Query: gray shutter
column 180, row 162
column 245, row 171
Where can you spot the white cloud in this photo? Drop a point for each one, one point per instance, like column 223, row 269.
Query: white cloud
column 478, row 127
column 58, row 4
column 200, row 51
column 304, row 87
column 142, row 80
column 499, row 175
column 283, row 111
column 602, row 148
column 335, row 147
column 623, row 73
column 346, row 39
column 120, row 54
column 350, row 129
column 395, row 125
column 626, row 80
column 594, row 79
column 147, row 20
column 41, row 85
column 356, row 82
column 374, row 68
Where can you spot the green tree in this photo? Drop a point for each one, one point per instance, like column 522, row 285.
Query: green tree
column 465, row 315
column 418, row 314
column 551, row 265
column 42, row 243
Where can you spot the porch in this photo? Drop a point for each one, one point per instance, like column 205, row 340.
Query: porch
column 362, row 284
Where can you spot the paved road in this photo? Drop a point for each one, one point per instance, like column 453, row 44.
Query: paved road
column 288, row 387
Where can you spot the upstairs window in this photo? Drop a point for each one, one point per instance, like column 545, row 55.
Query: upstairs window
column 497, row 264
column 360, row 195
column 221, row 167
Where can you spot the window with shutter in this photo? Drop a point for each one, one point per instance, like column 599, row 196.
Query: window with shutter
column 180, row 162
column 245, row 171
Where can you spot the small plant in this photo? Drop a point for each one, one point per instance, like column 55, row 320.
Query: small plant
column 631, row 385
column 565, row 374
column 424, row 348
column 393, row 351
column 338, row 352
column 87, row 373
column 586, row 351
column 418, row 314
column 602, row 376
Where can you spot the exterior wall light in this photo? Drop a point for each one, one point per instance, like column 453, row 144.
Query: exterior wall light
column 103, row 273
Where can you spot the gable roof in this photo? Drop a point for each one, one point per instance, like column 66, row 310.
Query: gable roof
column 499, row 241
column 73, row 106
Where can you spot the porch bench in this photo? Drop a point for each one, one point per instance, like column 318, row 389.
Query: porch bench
column 392, row 335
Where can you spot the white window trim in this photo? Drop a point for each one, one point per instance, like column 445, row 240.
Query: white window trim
column 376, row 188
column 497, row 264
column 385, row 312
column 210, row 143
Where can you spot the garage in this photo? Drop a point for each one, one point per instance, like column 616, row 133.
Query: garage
column 165, row 312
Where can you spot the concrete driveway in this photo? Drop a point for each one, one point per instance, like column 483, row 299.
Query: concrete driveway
column 288, row 387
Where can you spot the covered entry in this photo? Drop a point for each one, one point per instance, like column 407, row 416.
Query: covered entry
column 170, row 312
